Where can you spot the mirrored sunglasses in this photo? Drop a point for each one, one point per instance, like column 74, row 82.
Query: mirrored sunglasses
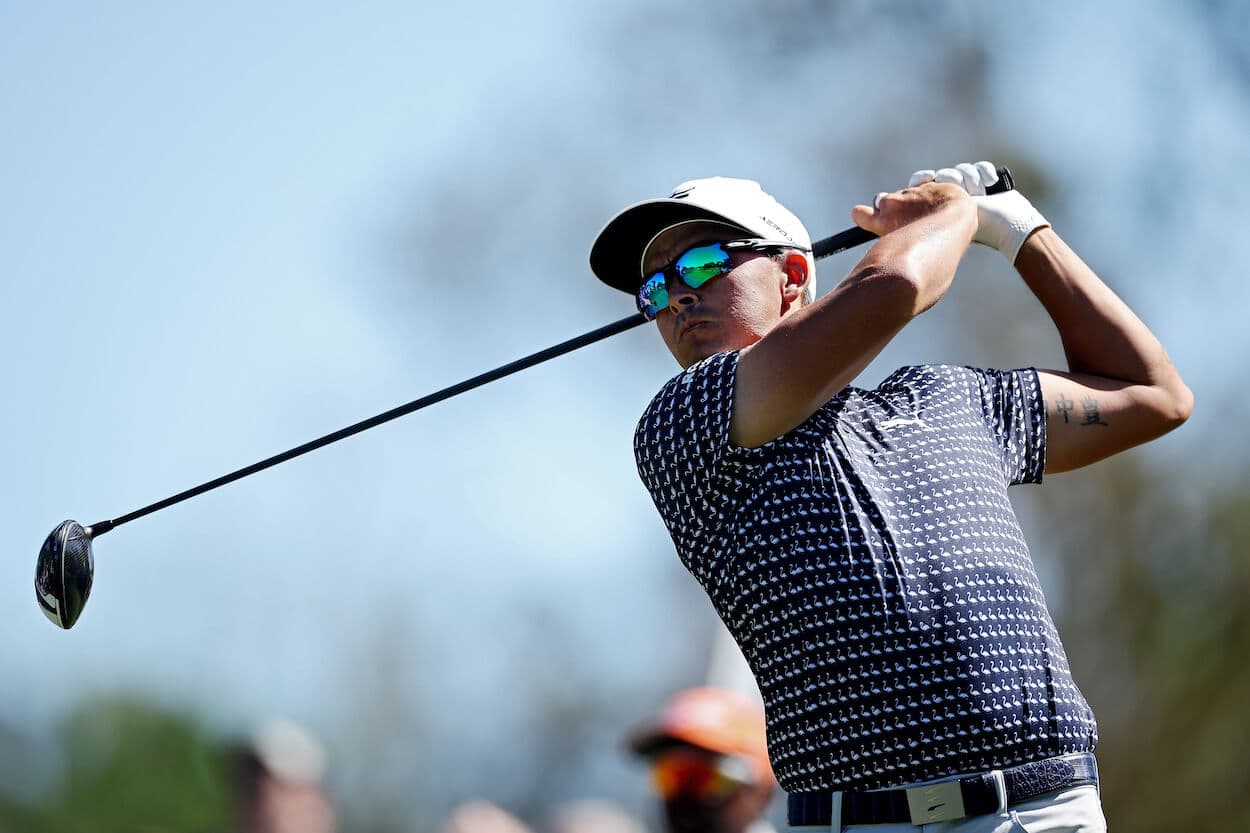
column 699, row 776
column 695, row 267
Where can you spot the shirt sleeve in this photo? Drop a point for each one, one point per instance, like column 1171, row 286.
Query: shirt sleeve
column 680, row 445
column 1014, row 411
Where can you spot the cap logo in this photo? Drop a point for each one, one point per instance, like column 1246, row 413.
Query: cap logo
column 682, row 194
column 779, row 229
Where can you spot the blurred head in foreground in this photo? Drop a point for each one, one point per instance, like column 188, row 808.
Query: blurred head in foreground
column 593, row 816
column 709, row 761
column 279, row 782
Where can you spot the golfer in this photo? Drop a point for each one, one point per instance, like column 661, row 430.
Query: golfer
column 859, row 543
column 709, row 762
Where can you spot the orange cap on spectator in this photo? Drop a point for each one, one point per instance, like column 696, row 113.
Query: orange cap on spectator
column 714, row 719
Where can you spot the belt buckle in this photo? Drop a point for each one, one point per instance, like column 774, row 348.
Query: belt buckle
column 935, row 802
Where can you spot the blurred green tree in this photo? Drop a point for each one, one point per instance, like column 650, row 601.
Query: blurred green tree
column 129, row 765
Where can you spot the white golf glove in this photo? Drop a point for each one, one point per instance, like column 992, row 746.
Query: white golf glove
column 1004, row 221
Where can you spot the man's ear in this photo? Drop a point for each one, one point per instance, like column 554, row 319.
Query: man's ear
column 795, row 269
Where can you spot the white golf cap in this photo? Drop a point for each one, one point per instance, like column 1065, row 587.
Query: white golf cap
column 616, row 256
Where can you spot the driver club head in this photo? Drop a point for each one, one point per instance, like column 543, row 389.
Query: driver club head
column 64, row 572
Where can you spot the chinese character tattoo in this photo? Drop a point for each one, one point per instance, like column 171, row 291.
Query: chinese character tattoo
column 1063, row 406
column 1090, row 406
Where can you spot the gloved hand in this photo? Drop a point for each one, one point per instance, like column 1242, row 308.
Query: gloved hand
column 1004, row 221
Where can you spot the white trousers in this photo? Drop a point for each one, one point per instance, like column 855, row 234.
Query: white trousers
column 1074, row 810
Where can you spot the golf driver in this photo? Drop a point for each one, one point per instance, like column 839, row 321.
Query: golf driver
column 66, row 565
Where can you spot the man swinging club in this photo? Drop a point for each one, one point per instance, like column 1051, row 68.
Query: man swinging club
column 860, row 544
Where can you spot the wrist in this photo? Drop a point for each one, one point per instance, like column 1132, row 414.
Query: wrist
column 1038, row 246
column 960, row 217
column 1005, row 221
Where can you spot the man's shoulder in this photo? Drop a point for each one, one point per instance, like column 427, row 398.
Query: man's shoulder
column 927, row 375
column 714, row 372
column 691, row 413
column 988, row 390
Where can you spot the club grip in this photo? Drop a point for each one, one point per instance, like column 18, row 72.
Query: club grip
column 1006, row 182
column 857, row 236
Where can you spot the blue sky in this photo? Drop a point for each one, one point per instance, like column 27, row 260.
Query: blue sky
column 202, row 249
column 229, row 229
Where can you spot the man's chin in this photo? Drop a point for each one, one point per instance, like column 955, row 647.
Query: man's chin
column 693, row 357
column 693, row 350
column 705, row 340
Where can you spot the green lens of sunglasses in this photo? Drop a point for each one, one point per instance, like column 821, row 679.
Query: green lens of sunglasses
column 694, row 268
column 698, row 266
column 653, row 295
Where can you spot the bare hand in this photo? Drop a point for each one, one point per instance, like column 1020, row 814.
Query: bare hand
column 899, row 208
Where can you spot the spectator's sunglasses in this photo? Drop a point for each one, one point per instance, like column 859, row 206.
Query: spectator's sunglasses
column 696, row 775
column 694, row 268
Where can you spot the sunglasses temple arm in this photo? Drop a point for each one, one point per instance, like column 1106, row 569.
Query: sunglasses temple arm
column 856, row 236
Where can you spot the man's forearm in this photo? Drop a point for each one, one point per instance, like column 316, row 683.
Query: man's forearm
column 1101, row 335
column 925, row 252
column 813, row 352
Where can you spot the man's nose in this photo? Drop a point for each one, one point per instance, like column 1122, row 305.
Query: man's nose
column 680, row 295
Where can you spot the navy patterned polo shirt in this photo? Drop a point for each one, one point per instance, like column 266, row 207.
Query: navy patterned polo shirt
column 871, row 568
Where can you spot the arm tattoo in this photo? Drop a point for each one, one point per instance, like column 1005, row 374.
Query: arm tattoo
column 1089, row 405
column 1063, row 405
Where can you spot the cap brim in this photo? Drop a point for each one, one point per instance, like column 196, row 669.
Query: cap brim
column 652, row 739
column 647, row 744
column 616, row 256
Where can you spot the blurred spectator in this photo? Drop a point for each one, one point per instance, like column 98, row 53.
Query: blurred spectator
column 279, row 782
column 480, row 816
column 709, row 762
column 593, row 816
